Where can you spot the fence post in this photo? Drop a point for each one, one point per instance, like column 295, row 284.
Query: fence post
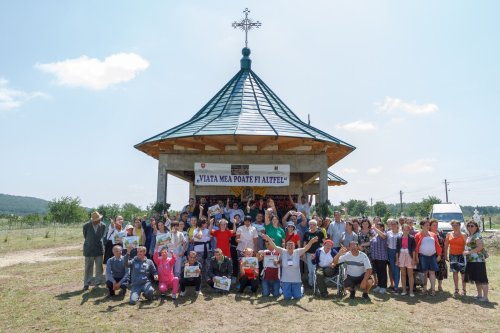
column 490, row 222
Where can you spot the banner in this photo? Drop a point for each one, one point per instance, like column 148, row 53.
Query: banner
column 216, row 174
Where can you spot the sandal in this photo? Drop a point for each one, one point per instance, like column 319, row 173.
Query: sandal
column 464, row 292
column 456, row 293
column 433, row 293
column 440, row 289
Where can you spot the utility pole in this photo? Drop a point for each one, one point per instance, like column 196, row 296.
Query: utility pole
column 446, row 189
column 308, row 119
column 401, row 201
column 371, row 206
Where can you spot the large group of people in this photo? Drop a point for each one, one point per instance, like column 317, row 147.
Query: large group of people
column 281, row 253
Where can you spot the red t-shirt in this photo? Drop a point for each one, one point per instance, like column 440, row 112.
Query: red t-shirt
column 294, row 238
column 222, row 238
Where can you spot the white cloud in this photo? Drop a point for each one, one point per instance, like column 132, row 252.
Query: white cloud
column 349, row 170
column 391, row 105
column 95, row 74
column 12, row 98
column 374, row 171
column 419, row 166
column 357, row 126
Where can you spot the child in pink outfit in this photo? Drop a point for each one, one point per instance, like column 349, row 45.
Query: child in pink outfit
column 166, row 278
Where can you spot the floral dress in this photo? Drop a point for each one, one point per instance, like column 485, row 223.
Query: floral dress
column 471, row 245
column 443, row 270
column 366, row 238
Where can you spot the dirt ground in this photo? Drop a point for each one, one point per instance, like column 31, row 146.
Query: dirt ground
column 34, row 256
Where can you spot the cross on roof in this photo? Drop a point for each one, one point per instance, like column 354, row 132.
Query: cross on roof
column 246, row 24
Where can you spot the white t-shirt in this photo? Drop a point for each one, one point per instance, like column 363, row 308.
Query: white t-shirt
column 303, row 208
column 325, row 259
column 247, row 236
column 290, row 265
column 356, row 265
column 428, row 246
column 205, row 238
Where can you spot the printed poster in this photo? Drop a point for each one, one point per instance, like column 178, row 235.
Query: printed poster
column 249, row 262
column 191, row 271
column 118, row 237
column 130, row 240
column 222, row 283
column 269, row 261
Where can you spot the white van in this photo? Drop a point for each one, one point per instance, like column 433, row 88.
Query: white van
column 444, row 213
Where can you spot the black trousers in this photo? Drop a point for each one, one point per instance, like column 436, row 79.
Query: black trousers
column 236, row 262
column 184, row 282
column 109, row 284
column 381, row 271
column 245, row 282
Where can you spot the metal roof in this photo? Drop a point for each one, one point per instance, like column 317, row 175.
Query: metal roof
column 246, row 106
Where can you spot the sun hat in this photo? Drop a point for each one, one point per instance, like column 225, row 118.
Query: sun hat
column 129, row 226
column 95, row 216
column 290, row 224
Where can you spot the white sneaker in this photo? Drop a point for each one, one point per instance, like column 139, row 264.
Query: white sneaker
column 382, row 290
column 183, row 293
column 403, row 293
column 376, row 289
column 200, row 293
column 412, row 295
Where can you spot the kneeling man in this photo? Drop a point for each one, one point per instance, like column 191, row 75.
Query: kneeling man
column 142, row 269
column 358, row 268
column 117, row 274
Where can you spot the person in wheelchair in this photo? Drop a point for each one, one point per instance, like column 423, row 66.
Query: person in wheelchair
column 358, row 269
column 323, row 260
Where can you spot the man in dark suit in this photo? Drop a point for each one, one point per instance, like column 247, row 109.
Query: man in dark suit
column 93, row 250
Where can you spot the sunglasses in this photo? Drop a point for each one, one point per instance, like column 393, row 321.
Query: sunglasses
column 471, row 226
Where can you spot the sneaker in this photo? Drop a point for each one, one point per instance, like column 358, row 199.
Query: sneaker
column 199, row 293
column 365, row 296
column 85, row 287
column 412, row 295
column 382, row 290
column 403, row 293
column 183, row 293
column 376, row 289
column 483, row 299
column 352, row 294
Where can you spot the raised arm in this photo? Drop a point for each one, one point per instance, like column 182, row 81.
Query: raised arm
column 308, row 245
column 343, row 250
column 285, row 217
column 380, row 233
column 271, row 242
column 211, row 226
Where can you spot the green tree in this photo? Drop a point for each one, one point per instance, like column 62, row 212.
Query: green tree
column 67, row 210
column 109, row 211
column 356, row 207
column 381, row 209
column 129, row 211
column 426, row 205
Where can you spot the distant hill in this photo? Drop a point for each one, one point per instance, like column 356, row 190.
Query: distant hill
column 13, row 204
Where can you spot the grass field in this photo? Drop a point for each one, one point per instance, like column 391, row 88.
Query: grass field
column 47, row 297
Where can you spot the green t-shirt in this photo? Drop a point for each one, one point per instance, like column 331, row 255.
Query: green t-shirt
column 277, row 234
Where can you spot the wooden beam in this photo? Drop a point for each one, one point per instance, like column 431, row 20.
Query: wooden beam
column 187, row 144
column 213, row 143
column 165, row 146
column 289, row 145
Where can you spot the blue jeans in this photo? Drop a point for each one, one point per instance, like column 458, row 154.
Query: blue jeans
column 146, row 288
column 391, row 254
column 291, row 289
column 271, row 287
column 311, row 269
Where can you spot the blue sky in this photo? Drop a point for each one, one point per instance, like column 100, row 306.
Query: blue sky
column 414, row 85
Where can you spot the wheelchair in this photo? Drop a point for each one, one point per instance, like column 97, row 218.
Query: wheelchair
column 336, row 281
